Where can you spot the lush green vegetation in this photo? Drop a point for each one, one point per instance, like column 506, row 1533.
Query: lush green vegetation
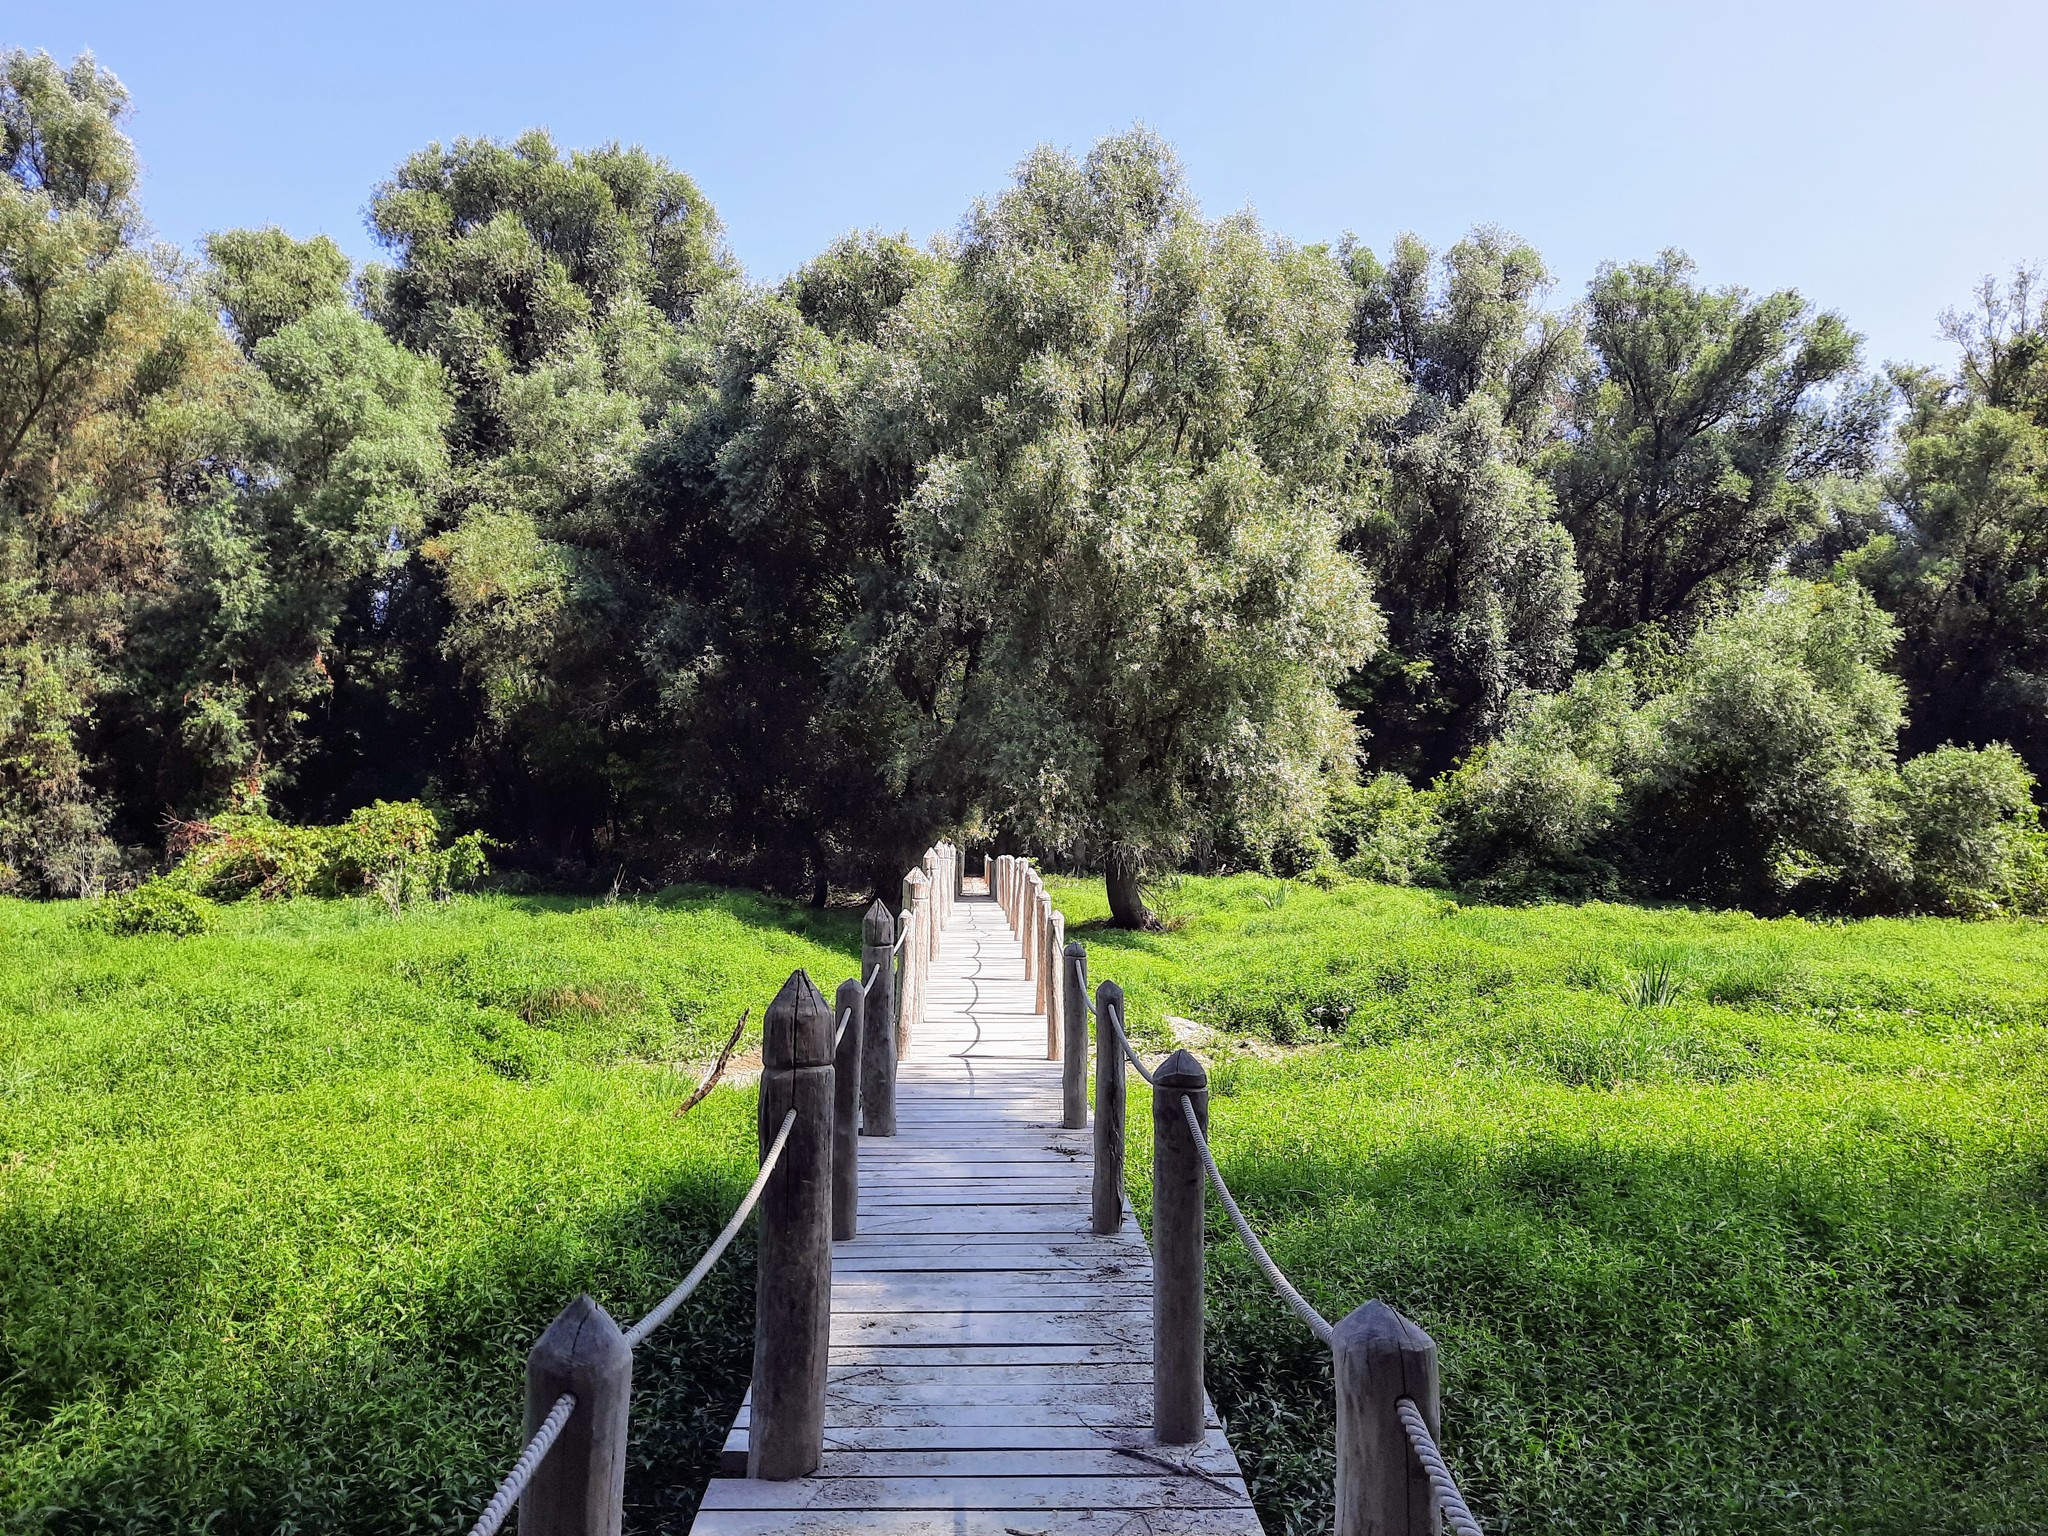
column 1721, row 1224
column 283, row 1205
column 1128, row 533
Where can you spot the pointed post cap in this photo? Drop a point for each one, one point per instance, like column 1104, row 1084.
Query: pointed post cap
column 879, row 926
column 797, row 1031
column 1182, row 1072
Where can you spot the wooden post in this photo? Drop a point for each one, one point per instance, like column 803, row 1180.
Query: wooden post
column 580, row 1488
column 1041, row 970
column 907, row 1000
column 1382, row 1490
column 1179, row 1416
column 1027, row 904
column 1004, row 870
column 959, row 872
column 1055, row 992
column 1074, row 1023
column 878, row 1044
column 793, row 1283
column 1107, row 1196
column 849, row 1005
column 931, row 892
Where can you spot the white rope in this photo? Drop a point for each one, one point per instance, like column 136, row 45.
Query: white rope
column 1116, row 1023
column 1317, row 1323
column 1432, row 1459
column 867, row 987
column 523, row 1469
column 675, row 1298
column 845, row 1019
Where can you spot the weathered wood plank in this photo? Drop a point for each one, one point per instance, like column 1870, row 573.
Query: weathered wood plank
column 976, row 1522
column 1163, row 1491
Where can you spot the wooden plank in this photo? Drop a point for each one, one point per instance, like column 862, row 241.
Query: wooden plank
column 1117, row 1413
column 977, row 1522
column 1164, row 1491
column 953, row 1435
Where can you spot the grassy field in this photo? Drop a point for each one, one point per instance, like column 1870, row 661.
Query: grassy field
column 1721, row 1225
column 283, row 1206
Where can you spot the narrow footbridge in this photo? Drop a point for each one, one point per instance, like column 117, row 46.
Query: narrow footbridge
column 960, row 1329
column 991, row 1355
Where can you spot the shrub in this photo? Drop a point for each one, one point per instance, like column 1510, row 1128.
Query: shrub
column 1755, row 767
column 388, row 849
column 157, row 906
column 1977, row 848
column 1384, row 830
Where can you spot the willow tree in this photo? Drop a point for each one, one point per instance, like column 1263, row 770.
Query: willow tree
column 1476, row 573
column 109, row 383
column 1150, row 439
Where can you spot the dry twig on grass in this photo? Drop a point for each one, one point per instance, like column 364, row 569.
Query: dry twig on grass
column 717, row 1067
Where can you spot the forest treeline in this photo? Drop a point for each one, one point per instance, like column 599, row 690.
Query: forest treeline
column 1136, row 537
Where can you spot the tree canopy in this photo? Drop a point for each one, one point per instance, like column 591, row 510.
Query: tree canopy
column 1103, row 528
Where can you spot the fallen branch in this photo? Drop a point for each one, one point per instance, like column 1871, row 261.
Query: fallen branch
column 1174, row 1466
column 717, row 1067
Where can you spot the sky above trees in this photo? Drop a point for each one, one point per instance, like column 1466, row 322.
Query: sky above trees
column 1879, row 157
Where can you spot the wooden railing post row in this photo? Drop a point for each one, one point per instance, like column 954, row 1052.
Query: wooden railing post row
column 1052, row 939
column 1074, row 1023
column 907, row 1002
column 1179, row 1207
column 579, row 1489
column 1106, row 1197
column 878, row 1043
column 1381, row 1357
column 793, row 1283
column 851, row 1005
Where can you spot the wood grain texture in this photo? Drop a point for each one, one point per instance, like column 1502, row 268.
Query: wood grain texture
column 990, row 1358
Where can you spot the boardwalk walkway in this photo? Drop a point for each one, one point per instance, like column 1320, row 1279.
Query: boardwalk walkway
column 991, row 1361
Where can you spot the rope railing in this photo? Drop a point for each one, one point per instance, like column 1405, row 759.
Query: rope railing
column 1116, row 1024
column 581, row 1367
column 523, row 1469
column 1441, row 1483
column 1380, row 1357
column 536, row 1450
column 1303, row 1308
column 665, row 1308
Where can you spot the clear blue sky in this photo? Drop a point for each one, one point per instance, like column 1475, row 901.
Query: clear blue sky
column 1878, row 156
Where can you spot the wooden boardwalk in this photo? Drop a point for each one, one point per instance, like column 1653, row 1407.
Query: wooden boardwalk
column 991, row 1367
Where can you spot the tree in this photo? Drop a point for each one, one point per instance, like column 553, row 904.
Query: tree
column 1964, row 562
column 549, row 287
column 1470, row 565
column 1151, row 437
column 110, row 378
column 778, row 577
column 1698, row 441
column 337, row 453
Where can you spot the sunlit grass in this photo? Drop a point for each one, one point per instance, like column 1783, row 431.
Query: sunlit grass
column 1753, row 1245
column 283, row 1206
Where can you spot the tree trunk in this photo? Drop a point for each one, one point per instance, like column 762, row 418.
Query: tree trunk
column 821, row 881
column 1127, row 907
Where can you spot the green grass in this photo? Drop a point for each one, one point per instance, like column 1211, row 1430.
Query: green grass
column 283, row 1206
column 1721, row 1225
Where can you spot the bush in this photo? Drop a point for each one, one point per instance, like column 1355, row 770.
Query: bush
column 1977, row 848
column 1384, row 830
column 1756, row 767
column 388, row 849
column 154, row 907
